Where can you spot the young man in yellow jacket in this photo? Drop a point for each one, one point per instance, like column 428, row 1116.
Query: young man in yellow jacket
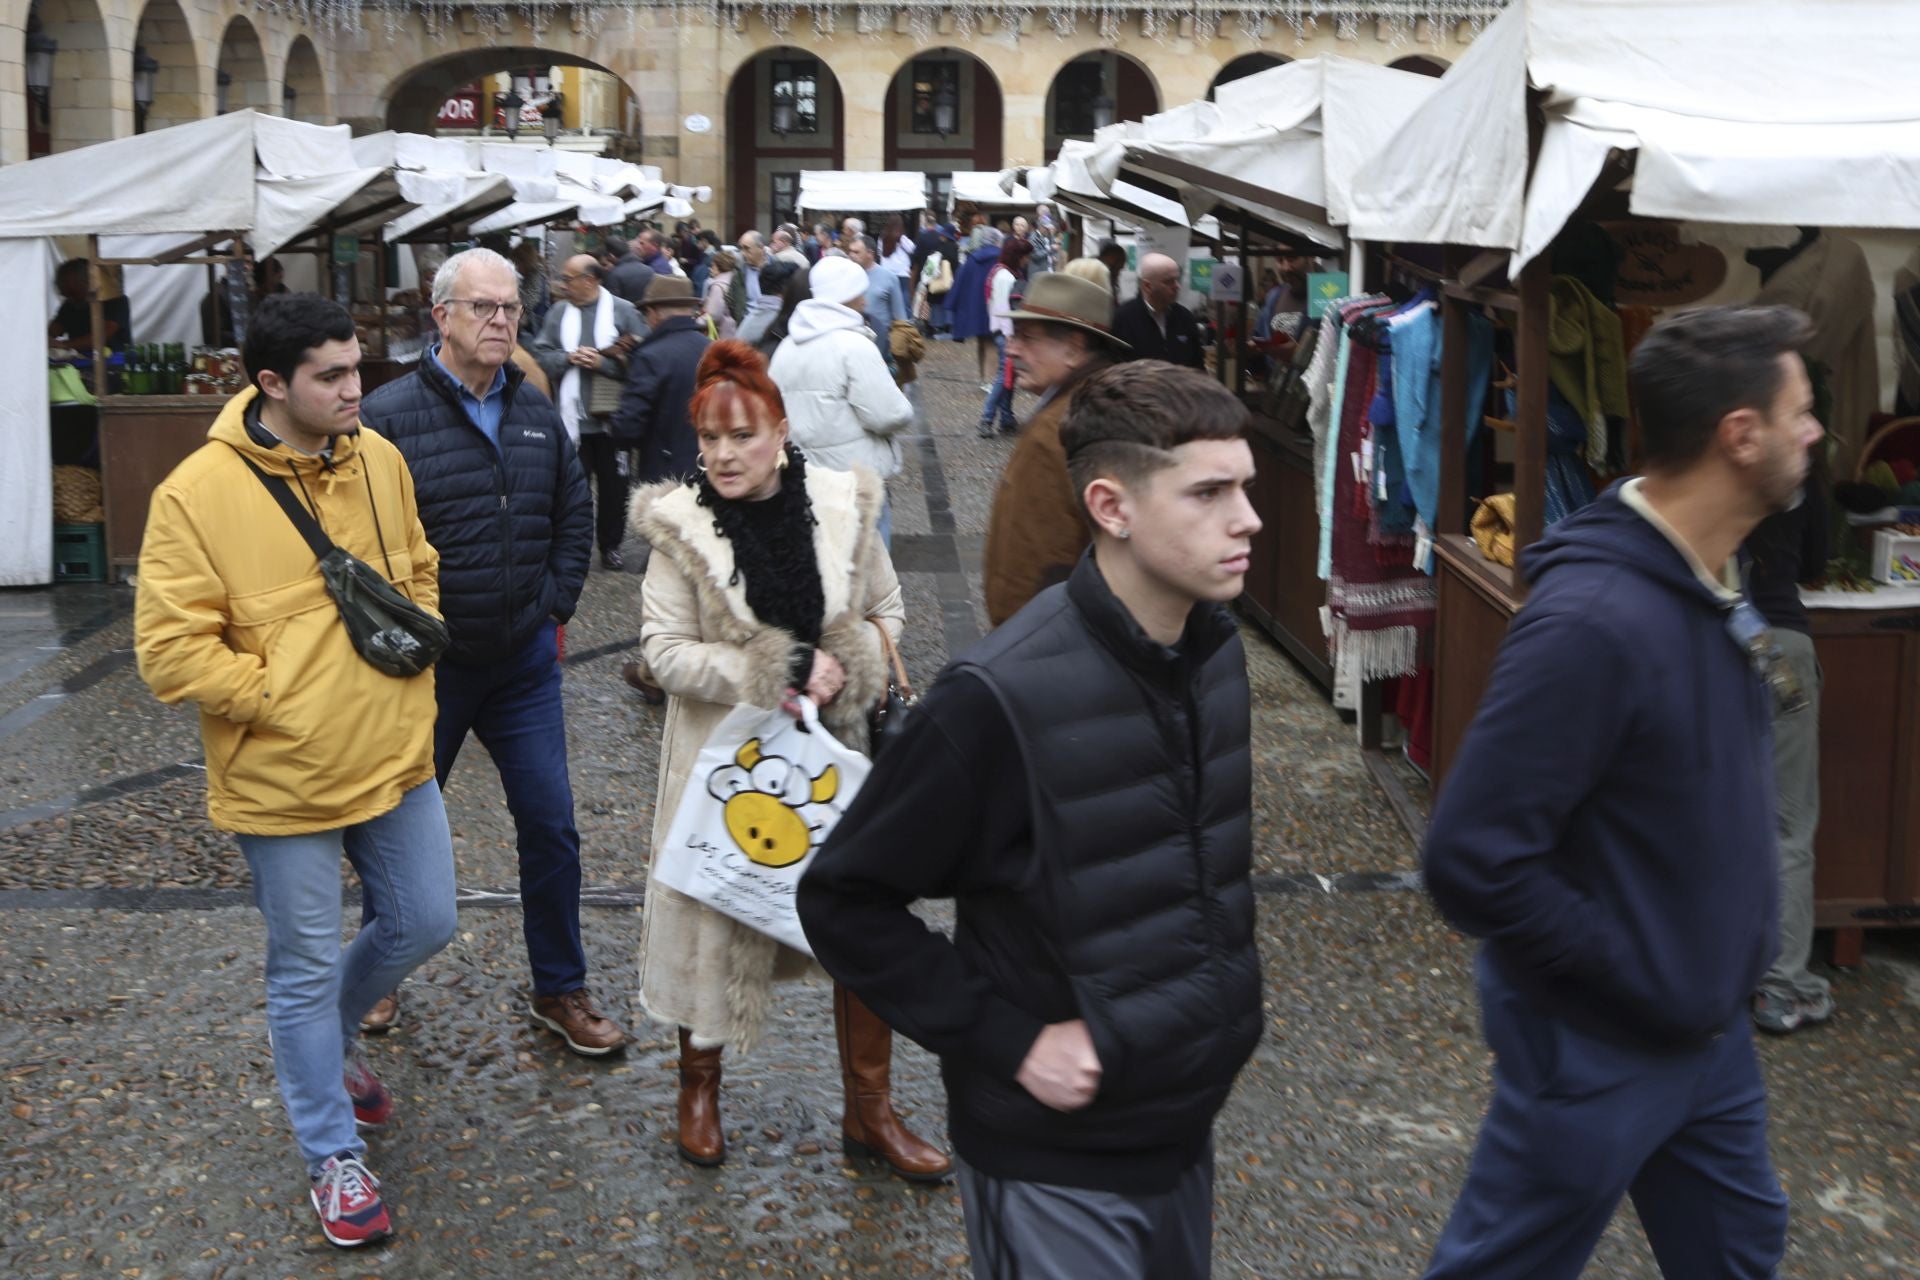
column 311, row 751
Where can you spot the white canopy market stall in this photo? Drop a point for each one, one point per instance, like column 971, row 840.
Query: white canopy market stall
column 1676, row 117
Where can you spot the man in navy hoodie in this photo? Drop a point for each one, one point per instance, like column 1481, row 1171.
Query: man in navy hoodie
column 1609, row 832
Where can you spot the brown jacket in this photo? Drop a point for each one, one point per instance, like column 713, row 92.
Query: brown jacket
column 1037, row 532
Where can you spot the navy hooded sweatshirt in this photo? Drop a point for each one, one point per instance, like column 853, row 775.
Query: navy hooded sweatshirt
column 1609, row 826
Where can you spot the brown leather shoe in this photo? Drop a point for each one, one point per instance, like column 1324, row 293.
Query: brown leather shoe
column 636, row 675
column 702, row 1140
column 869, row 1126
column 572, row 1016
column 380, row 1019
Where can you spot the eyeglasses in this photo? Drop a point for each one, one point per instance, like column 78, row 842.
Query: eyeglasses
column 484, row 309
column 1751, row 632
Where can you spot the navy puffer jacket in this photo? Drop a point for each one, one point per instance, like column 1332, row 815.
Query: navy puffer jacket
column 513, row 525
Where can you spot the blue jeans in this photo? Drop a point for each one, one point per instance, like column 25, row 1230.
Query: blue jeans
column 1578, row 1122
column 513, row 707
column 316, row 991
column 1000, row 399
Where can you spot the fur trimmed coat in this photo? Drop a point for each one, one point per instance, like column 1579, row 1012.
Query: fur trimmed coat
column 704, row 646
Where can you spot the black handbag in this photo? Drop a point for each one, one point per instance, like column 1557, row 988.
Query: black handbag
column 889, row 718
column 395, row 635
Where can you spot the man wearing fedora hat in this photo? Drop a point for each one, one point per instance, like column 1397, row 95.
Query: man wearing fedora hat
column 653, row 417
column 1062, row 334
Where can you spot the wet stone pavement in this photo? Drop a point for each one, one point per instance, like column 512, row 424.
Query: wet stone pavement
column 141, row 1135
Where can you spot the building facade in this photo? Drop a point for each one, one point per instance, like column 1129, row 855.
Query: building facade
column 737, row 97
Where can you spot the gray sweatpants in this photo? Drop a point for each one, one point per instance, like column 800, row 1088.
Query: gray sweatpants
column 1037, row 1231
column 1796, row 771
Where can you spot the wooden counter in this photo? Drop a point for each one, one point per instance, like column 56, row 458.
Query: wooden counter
column 1284, row 593
column 1867, row 849
column 142, row 439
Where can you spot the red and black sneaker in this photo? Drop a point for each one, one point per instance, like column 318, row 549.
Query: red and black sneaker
column 347, row 1198
column 372, row 1104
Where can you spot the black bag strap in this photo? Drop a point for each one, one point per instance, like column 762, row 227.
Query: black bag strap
column 302, row 518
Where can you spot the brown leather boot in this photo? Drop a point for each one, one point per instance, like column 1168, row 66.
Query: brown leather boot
column 702, row 1140
column 385, row 1013
column 869, row 1127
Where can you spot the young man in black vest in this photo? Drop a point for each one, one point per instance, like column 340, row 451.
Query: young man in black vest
column 1080, row 783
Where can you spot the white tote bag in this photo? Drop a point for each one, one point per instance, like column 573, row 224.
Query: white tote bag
column 765, row 792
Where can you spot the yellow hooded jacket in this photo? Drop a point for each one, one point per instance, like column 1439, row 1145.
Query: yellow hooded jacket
column 301, row 734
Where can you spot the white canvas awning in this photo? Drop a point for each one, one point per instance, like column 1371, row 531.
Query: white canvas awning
column 839, row 191
column 986, row 190
column 1762, row 111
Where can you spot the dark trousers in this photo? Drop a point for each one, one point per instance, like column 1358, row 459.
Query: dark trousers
column 605, row 465
column 513, row 707
column 1577, row 1122
column 1036, row 1231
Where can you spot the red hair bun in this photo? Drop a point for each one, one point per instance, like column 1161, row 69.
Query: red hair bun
column 730, row 369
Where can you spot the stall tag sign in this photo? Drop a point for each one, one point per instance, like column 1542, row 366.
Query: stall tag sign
column 346, row 249
column 1322, row 288
column 1226, row 282
column 1200, row 275
column 1658, row 270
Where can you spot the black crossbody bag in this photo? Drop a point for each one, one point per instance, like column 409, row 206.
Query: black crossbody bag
column 395, row 635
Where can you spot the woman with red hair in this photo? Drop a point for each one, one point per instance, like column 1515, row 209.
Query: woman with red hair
column 766, row 580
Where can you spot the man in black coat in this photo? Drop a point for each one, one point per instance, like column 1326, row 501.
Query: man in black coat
column 652, row 417
column 1154, row 323
column 1081, row 783
column 504, row 501
column 629, row 277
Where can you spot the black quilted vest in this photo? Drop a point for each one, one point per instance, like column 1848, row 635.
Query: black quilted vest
column 513, row 526
column 1141, row 778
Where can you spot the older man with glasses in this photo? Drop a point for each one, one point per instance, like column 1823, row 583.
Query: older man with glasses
column 504, row 500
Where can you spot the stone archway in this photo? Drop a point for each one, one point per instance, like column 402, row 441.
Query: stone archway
column 1096, row 89
column 944, row 114
column 165, row 34
column 1421, row 64
column 83, row 92
column 785, row 114
column 244, row 64
column 303, row 78
column 1247, row 64
column 413, row 104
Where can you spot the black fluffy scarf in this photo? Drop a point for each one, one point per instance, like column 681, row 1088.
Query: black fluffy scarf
column 773, row 552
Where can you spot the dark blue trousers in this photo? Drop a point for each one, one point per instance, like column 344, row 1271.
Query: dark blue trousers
column 513, row 707
column 1577, row 1122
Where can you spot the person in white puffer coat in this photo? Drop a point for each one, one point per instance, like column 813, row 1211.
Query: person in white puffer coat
column 843, row 408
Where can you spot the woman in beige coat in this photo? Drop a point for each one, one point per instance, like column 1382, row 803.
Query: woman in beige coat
column 764, row 576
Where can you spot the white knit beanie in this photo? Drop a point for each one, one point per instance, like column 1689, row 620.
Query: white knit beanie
column 837, row 280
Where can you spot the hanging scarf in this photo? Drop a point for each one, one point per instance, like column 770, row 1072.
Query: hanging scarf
column 572, row 403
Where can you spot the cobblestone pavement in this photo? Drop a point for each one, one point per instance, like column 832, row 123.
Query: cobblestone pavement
column 144, row 1137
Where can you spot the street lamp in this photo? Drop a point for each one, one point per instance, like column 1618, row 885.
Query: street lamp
column 222, row 91
column 550, row 118
column 1102, row 111
column 510, row 104
column 40, row 50
column 289, row 97
column 144, row 66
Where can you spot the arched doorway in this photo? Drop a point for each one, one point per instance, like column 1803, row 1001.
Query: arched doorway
column 167, row 65
column 1247, row 64
column 784, row 115
column 1095, row 90
column 944, row 115
column 303, row 92
column 465, row 93
column 1421, row 65
column 240, row 76
column 75, row 109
